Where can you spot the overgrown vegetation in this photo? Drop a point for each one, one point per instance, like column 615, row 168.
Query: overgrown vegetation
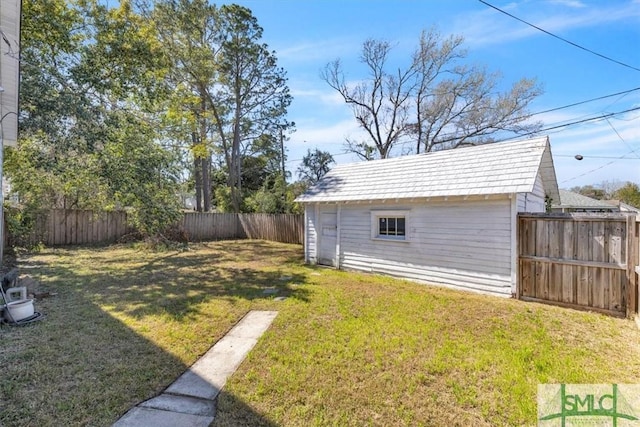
column 129, row 107
column 345, row 349
column 627, row 192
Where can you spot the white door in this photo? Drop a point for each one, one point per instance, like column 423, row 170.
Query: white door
column 328, row 236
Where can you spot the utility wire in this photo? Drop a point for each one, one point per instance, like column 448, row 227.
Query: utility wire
column 598, row 157
column 576, row 122
column 560, row 38
column 633, row 150
column 587, row 101
column 589, row 119
column 600, row 167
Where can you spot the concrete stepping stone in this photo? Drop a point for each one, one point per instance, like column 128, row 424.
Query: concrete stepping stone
column 182, row 404
column 191, row 399
column 149, row 417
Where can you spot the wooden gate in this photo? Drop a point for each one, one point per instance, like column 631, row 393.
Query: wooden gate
column 579, row 260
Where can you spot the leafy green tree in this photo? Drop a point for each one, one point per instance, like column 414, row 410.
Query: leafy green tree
column 435, row 102
column 230, row 95
column 253, row 96
column 141, row 176
column 629, row 193
column 315, row 164
column 90, row 77
column 189, row 33
column 591, row 191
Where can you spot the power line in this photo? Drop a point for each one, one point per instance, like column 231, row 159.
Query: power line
column 587, row 101
column 576, row 122
column 601, row 117
column 560, row 38
column 633, row 150
column 598, row 157
column 624, row 156
column 615, row 159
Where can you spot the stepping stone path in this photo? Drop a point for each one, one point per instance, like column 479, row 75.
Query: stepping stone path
column 191, row 399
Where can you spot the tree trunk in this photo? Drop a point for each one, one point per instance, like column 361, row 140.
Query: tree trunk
column 206, row 184
column 197, row 176
column 235, row 172
column 204, row 161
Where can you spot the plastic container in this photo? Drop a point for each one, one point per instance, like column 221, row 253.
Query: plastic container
column 16, row 294
column 16, row 311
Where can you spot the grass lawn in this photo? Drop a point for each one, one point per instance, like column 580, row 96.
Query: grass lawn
column 345, row 349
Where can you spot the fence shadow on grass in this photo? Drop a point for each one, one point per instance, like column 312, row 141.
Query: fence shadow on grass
column 82, row 365
column 179, row 283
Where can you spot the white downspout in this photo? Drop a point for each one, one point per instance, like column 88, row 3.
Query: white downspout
column 338, row 212
column 514, row 243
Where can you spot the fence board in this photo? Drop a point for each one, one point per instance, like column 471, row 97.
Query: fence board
column 71, row 227
column 579, row 261
column 286, row 228
column 633, row 269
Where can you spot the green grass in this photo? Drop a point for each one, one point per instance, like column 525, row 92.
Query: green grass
column 345, row 349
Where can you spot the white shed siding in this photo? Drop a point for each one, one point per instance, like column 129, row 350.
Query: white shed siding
column 310, row 234
column 463, row 244
column 533, row 202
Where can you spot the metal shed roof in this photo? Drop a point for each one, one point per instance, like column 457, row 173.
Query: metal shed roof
column 499, row 168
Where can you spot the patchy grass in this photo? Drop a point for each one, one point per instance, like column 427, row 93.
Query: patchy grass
column 345, row 349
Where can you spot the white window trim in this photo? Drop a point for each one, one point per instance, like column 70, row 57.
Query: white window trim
column 397, row 213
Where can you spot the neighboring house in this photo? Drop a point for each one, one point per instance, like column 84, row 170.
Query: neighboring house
column 9, row 70
column 447, row 217
column 574, row 202
column 624, row 207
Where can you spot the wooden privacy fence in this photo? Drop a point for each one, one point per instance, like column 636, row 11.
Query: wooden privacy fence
column 74, row 227
column 579, row 260
column 285, row 228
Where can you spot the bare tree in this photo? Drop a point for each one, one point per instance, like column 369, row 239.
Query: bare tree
column 381, row 103
column 433, row 103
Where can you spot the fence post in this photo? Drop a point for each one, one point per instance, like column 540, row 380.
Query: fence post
column 633, row 264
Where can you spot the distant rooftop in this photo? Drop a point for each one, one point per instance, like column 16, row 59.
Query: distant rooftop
column 571, row 200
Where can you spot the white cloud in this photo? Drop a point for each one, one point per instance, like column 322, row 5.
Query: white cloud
column 608, row 156
column 329, row 98
column 329, row 138
column 321, row 51
column 488, row 26
column 568, row 3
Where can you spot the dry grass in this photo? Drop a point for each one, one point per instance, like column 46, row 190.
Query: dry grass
column 345, row 349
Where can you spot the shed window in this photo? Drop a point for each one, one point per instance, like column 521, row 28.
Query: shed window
column 390, row 225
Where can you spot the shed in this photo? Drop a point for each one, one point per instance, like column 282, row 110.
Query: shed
column 447, row 217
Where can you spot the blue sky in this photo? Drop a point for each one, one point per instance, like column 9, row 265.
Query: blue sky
column 307, row 34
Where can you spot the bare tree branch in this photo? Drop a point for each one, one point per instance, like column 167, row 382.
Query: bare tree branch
column 435, row 102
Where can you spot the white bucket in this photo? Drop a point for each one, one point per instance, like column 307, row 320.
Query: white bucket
column 18, row 310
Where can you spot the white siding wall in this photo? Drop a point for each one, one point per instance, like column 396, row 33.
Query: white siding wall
column 532, row 202
column 310, row 234
column 463, row 244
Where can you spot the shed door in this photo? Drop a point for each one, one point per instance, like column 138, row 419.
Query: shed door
column 328, row 236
